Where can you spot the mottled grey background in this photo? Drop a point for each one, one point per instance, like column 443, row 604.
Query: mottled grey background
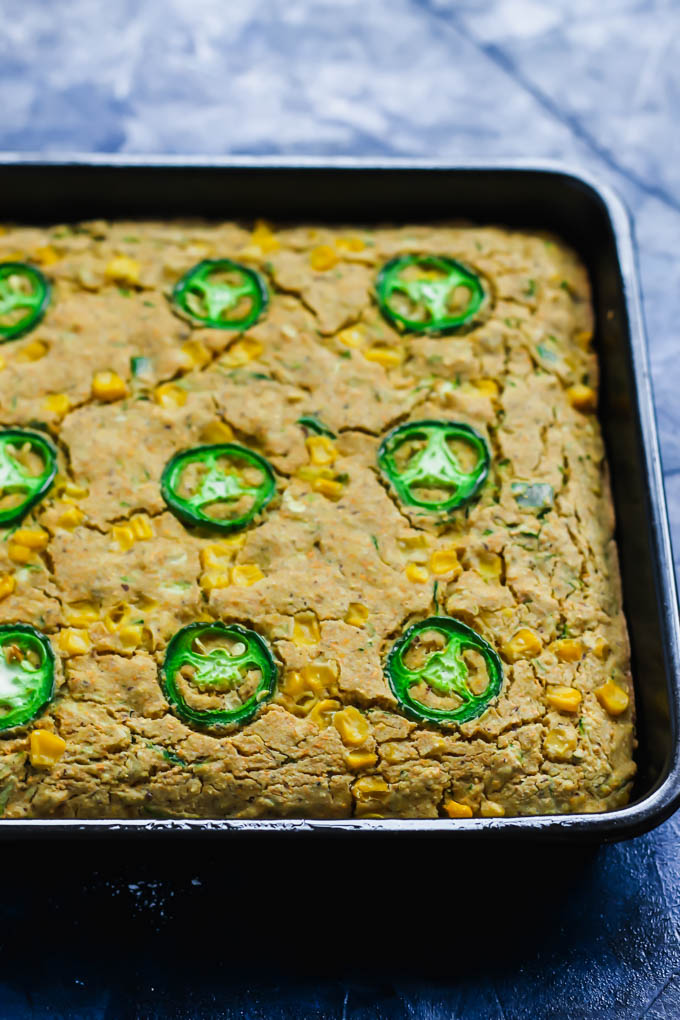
column 593, row 82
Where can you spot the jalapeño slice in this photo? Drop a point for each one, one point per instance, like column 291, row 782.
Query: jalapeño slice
column 428, row 293
column 416, row 459
column 222, row 293
column 444, row 671
column 224, row 486
column 218, row 659
column 24, row 296
column 26, row 674
column 28, row 464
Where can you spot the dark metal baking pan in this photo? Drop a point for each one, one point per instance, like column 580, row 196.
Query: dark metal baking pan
column 543, row 196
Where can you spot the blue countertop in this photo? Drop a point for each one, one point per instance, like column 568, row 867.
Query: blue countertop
column 339, row 930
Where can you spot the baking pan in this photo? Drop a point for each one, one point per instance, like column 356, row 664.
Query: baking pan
column 545, row 196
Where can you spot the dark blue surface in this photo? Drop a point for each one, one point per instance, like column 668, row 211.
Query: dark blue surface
column 327, row 931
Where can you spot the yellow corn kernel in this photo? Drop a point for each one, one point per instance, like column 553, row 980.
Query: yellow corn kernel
column 124, row 536
column 123, row 269
column 321, row 675
column 45, row 255
column 142, row 528
column 357, row 614
column 19, row 553
column 131, row 634
column 264, row 238
column 216, row 432
column 243, row 351
column 417, row 574
column 245, row 574
column 349, row 244
column 57, row 403
column 352, row 726
column 215, row 579
column 328, row 487
column 33, row 351
column 13, row 256
column 323, row 258
column 351, row 337
column 306, row 629
column 420, row 541
column 68, row 490
column 46, row 749
column 2, row 362
column 7, row 585
column 81, row 614
column 195, row 354
column 491, row 809
column 71, row 517
column 487, row 387
column 445, row 561
column 560, row 743
column 308, row 473
column 356, row 760
column 564, row 699
column 601, row 648
column 321, row 450
column 385, row 356
column 323, row 712
column 108, row 386
column 214, row 556
column 568, row 649
column 369, row 787
column 170, row 396
column 525, row 644
column 584, row 338
column 74, row 642
column 612, row 698
column 489, row 566
column 34, row 539
column 455, row 809
column 582, row 398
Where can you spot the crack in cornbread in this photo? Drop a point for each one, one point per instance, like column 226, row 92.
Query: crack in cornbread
column 337, row 567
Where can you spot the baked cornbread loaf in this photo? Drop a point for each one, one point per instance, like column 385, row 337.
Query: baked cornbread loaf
column 391, row 538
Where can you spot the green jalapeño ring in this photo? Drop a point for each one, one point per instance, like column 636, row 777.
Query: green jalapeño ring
column 26, row 674
column 236, row 653
column 222, row 294
column 24, row 296
column 444, row 673
column 431, row 465
column 428, row 293
column 22, row 483
column 224, row 486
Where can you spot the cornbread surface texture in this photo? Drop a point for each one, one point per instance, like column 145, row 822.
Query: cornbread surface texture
column 336, row 567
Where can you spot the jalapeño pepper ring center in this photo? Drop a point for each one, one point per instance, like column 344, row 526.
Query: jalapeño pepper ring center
column 28, row 464
column 441, row 670
column 216, row 674
column 24, row 296
column 428, row 293
column 222, row 293
column 434, row 465
column 224, row 486
column 26, row 674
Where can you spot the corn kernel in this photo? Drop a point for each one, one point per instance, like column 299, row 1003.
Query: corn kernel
column 385, row 356
column 33, row 351
column 445, row 561
column 323, row 258
column 71, row 517
column 568, row 649
column 489, row 566
column 491, row 809
column 216, row 432
column 582, row 398
column 81, row 614
column 328, row 487
column 68, row 490
column 420, row 541
column 215, row 579
column 131, row 634
column 564, row 699
column 7, row 585
column 417, row 574
column 356, row 760
column 357, row 614
column 612, row 698
column 323, row 712
column 321, row 675
column 243, row 351
column 124, row 536
column 487, row 387
column 123, row 269
column 195, row 354
column 349, row 244
column 245, row 574
column 74, row 642
column 214, row 556
column 2, row 362
column 45, row 255
column 525, row 644
column 142, row 528
column 46, row 748
column 34, row 539
column 369, row 787
column 170, row 396
column 455, row 809
column 321, row 450
column 351, row 337
column 57, row 403
column 352, row 726
column 264, row 238
column 19, row 553
column 601, row 648
column 108, row 386
column 560, row 743
column 306, row 629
